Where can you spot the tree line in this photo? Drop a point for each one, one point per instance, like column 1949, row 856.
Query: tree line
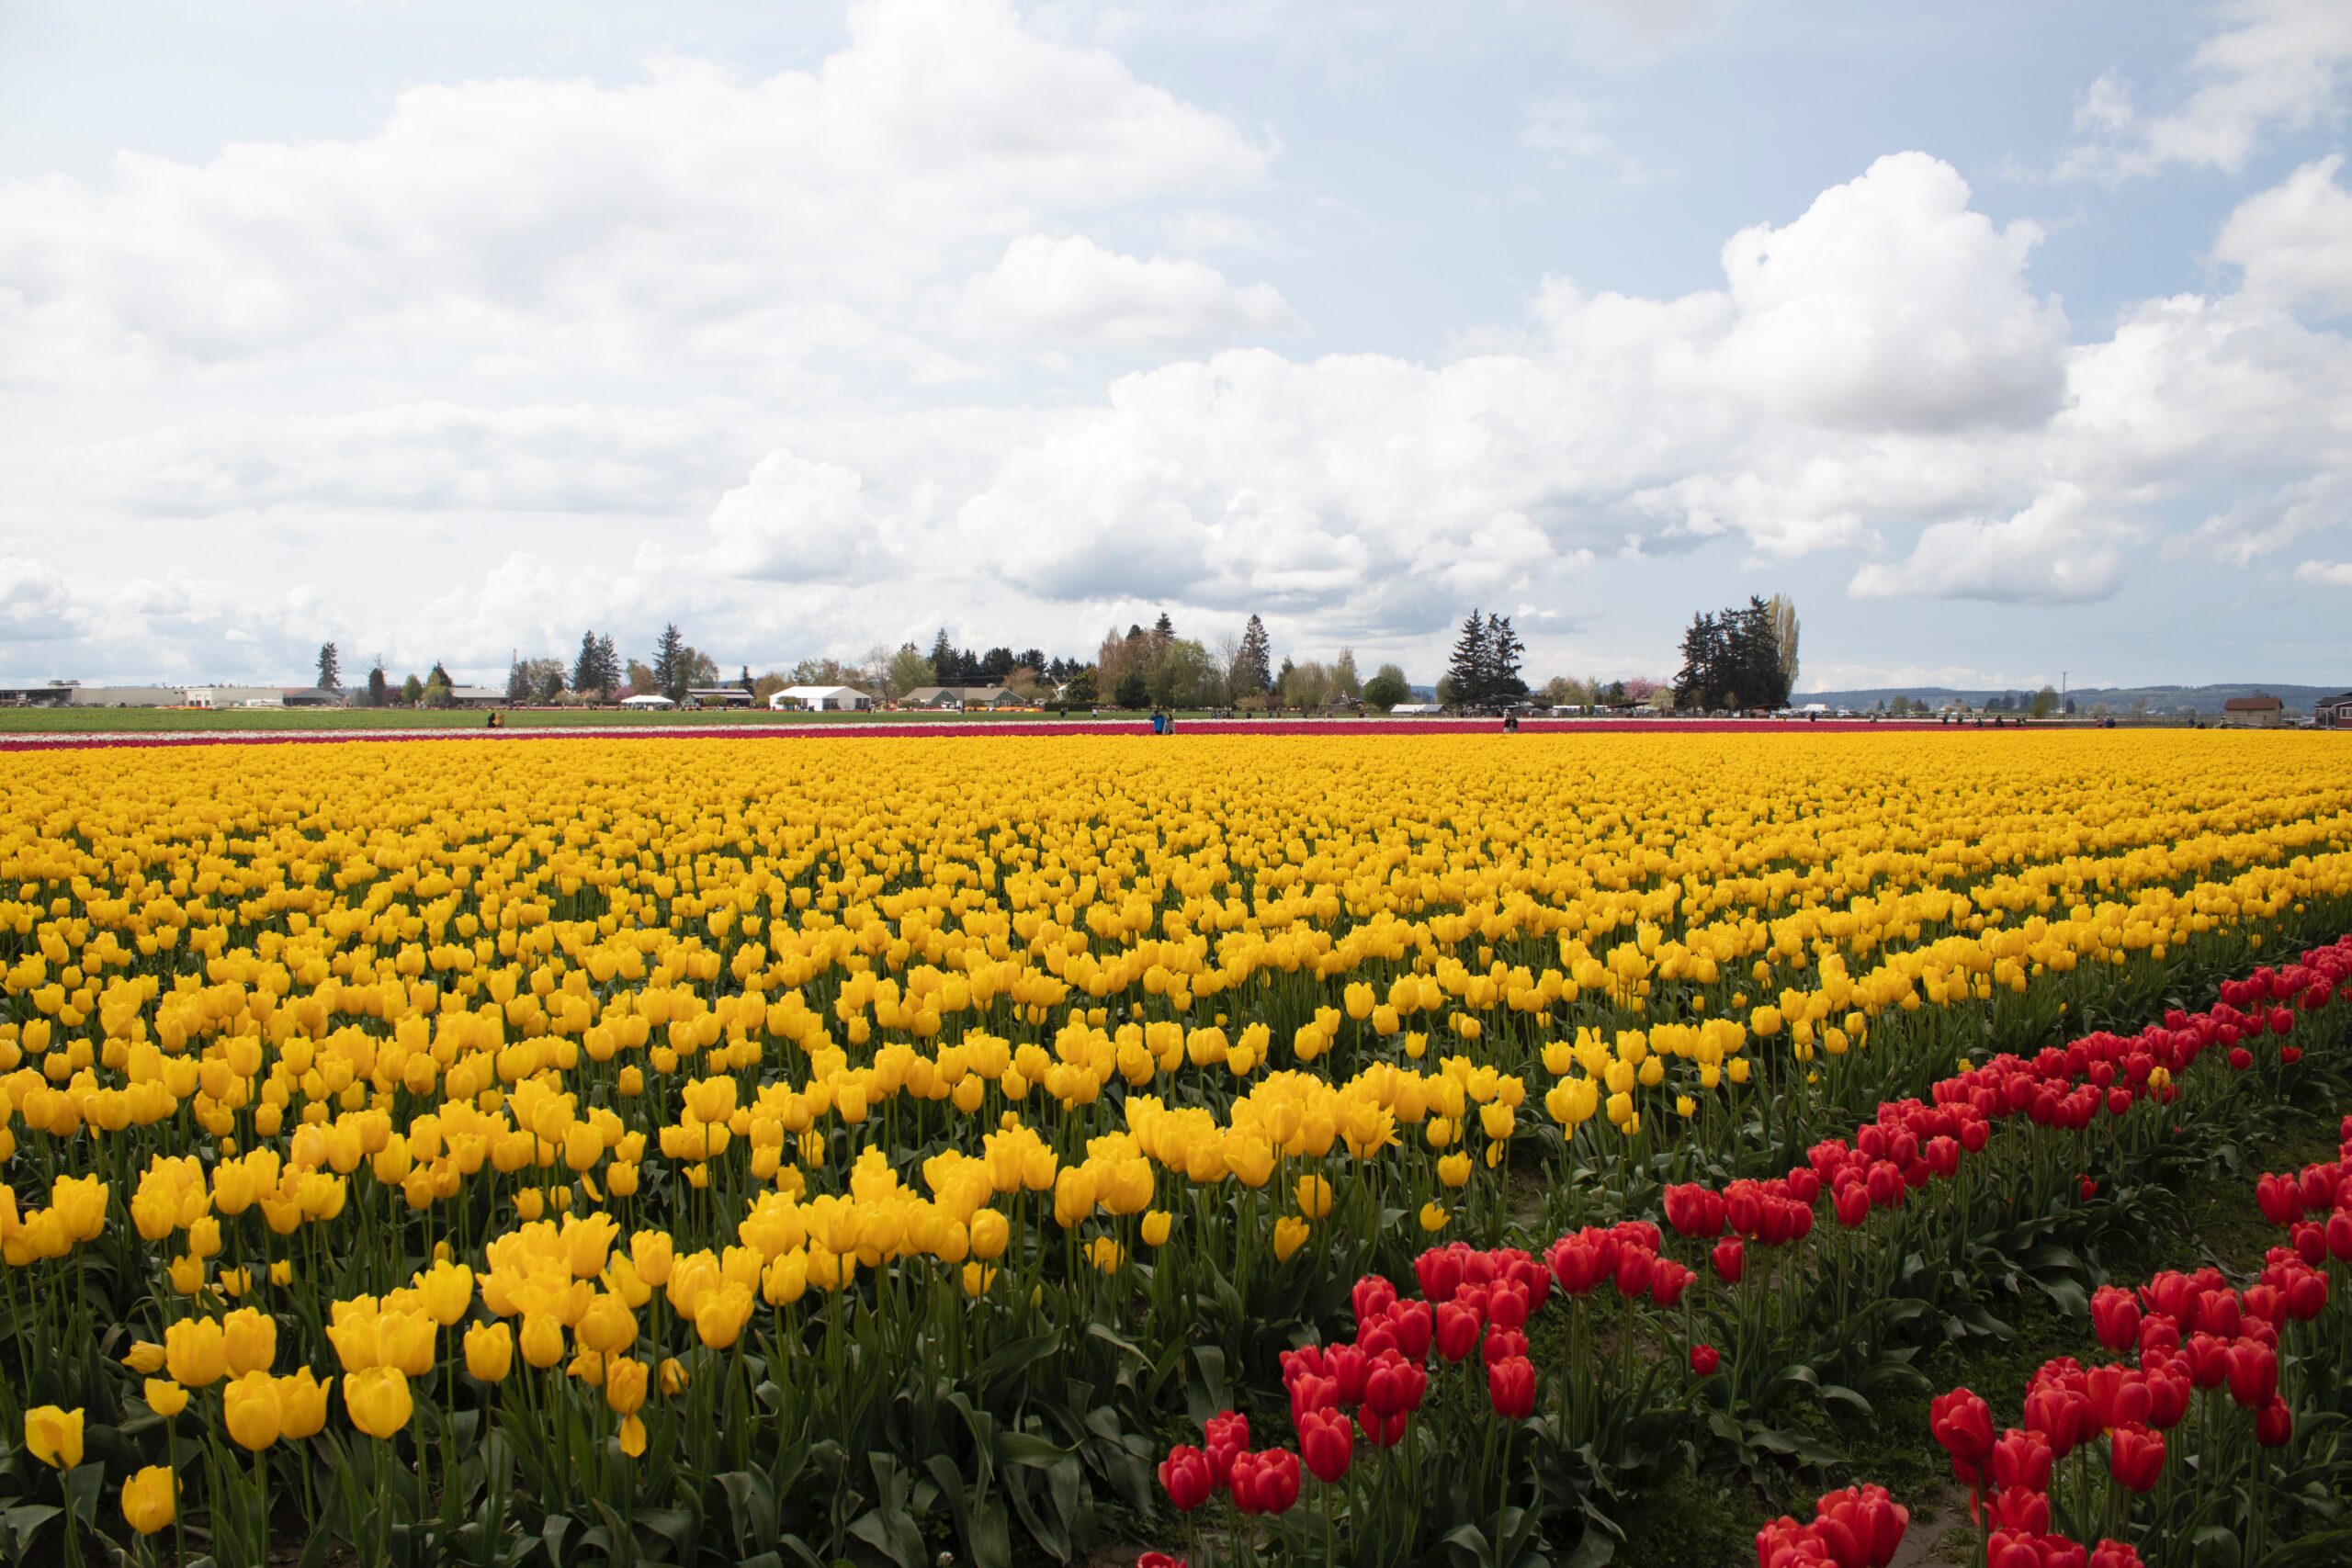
column 1744, row 656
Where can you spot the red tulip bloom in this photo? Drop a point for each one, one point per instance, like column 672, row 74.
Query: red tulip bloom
column 2060, row 1415
column 1730, row 1259
column 1633, row 1267
column 1382, row 1431
column 1394, row 1386
column 1184, row 1476
column 1412, row 1323
column 2281, row 1200
column 1510, row 1385
column 2020, row 1510
column 1705, row 1359
column 2339, row 1236
column 1502, row 1343
column 2254, row 1373
column 1457, row 1330
column 1347, row 1365
column 1371, row 1297
column 1309, row 1394
column 2115, row 1555
column 1159, row 1560
column 1228, row 1438
column 1962, row 1423
column 2115, row 1315
column 1439, row 1271
column 2209, row 1360
column 1328, row 1441
column 1668, row 1282
column 1853, row 1202
column 2307, row 1295
column 1870, row 1517
column 2021, row 1461
column 1506, row 1305
column 1265, row 1483
column 2274, row 1423
column 2136, row 1457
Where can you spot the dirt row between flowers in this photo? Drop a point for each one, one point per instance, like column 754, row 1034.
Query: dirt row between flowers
column 62, row 740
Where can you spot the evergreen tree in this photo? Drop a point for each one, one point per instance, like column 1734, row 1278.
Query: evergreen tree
column 1133, row 691
column 1467, row 668
column 379, row 691
column 330, row 667
column 588, row 670
column 518, row 680
column 608, row 665
column 672, row 669
column 1253, row 672
column 1503, row 652
column 439, row 676
column 946, row 667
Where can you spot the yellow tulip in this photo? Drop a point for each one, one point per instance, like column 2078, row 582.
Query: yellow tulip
column 377, row 1401
column 164, row 1397
column 249, row 1407
column 54, row 1435
column 196, row 1352
column 150, row 1499
column 1155, row 1226
column 490, row 1352
column 302, row 1405
column 249, row 1340
column 1290, row 1235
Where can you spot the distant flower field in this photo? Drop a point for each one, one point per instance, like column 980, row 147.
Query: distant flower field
column 703, row 1152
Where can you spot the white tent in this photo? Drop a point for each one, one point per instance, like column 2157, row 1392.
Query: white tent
column 651, row 699
column 822, row 699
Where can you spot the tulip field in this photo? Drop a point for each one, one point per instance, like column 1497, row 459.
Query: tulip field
column 1386, row 1149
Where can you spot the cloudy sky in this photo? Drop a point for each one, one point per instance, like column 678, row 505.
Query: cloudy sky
column 2008, row 338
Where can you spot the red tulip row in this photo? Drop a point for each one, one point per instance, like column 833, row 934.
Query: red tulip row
column 1480, row 1302
column 2194, row 1336
column 1910, row 1142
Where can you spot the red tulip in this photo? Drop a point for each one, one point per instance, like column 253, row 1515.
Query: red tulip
column 2060, row 1415
column 1457, row 1330
column 1510, row 1385
column 1693, row 1211
column 1394, row 1386
column 1382, row 1431
column 1943, row 1155
column 1668, row 1282
column 2136, row 1457
column 1411, row 1324
column 2339, row 1236
column 1705, row 1359
column 1328, row 1443
column 1159, row 1560
column 1265, row 1483
column 2022, row 1510
column 2274, row 1423
column 1502, row 1343
column 1853, row 1202
column 2021, row 1461
column 1184, row 1476
column 1506, row 1305
column 1964, row 1424
column 1348, row 1367
column 2115, row 1555
column 1730, row 1259
column 2307, row 1295
column 1439, row 1271
column 1309, row 1394
column 2281, row 1200
column 1633, row 1267
column 1874, row 1520
column 1228, row 1436
column 1371, row 1297
column 2115, row 1315
column 2209, row 1360
column 2254, row 1373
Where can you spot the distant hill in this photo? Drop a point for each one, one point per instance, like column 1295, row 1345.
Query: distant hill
column 2118, row 699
